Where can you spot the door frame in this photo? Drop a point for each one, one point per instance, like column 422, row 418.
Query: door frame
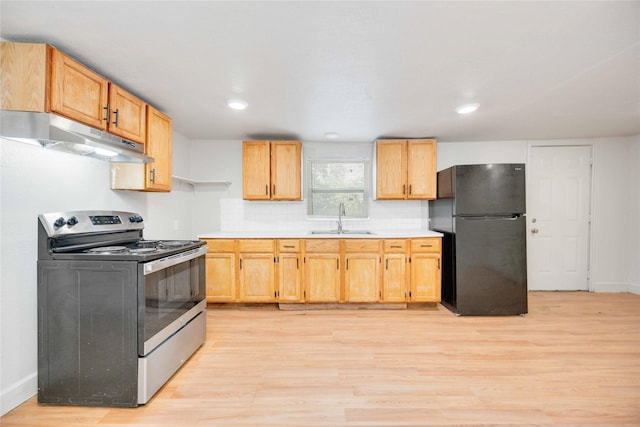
column 592, row 149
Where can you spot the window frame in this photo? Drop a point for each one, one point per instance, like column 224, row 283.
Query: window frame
column 365, row 191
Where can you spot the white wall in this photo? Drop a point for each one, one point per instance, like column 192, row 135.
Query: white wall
column 34, row 180
column 615, row 197
column 221, row 208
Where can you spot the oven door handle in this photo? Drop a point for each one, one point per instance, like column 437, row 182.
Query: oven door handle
column 161, row 264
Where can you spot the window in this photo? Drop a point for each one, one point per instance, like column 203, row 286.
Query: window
column 335, row 181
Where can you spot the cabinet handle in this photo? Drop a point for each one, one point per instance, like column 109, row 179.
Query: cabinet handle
column 289, row 246
column 106, row 113
column 347, row 263
column 274, row 189
column 404, row 186
column 297, row 264
column 396, row 247
column 386, row 267
column 153, row 175
column 240, row 263
column 438, row 263
column 117, row 114
column 409, row 188
column 337, row 264
column 426, row 246
column 266, row 189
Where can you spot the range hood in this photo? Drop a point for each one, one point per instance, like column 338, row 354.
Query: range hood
column 59, row 133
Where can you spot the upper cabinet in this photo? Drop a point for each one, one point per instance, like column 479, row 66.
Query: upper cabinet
column 38, row 77
column 127, row 114
column 155, row 176
column 78, row 92
column 158, row 146
column 406, row 169
column 271, row 170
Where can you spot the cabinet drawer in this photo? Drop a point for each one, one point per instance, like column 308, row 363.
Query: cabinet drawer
column 426, row 245
column 256, row 245
column 395, row 246
column 221, row 245
column 362, row 245
column 288, row 245
column 322, row 245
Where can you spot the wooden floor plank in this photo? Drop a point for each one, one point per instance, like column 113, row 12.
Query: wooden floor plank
column 573, row 360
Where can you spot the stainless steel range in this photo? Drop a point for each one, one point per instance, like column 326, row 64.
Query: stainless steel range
column 117, row 315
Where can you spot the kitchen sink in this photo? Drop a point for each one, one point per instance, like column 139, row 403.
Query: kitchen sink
column 341, row 232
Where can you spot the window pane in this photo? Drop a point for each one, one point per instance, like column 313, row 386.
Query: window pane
column 337, row 175
column 326, row 204
column 331, row 182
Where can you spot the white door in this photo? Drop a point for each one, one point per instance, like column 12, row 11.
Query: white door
column 558, row 216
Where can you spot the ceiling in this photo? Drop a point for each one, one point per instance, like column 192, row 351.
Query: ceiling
column 539, row 70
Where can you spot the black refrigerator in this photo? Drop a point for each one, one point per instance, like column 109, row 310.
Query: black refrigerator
column 480, row 209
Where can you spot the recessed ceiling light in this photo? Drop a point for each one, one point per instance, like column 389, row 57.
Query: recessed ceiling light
column 237, row 104
column 332, row 135
column 467, row 108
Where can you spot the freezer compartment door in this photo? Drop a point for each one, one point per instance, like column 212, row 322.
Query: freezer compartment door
column 490, row 189
column 491, row 266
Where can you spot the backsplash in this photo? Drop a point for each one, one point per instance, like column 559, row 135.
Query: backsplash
column 243, row 215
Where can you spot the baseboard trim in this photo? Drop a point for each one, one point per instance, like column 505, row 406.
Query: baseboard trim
column 18, row 393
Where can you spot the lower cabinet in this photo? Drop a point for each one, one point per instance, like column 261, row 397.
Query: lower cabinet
column 256, row 270
column 324, row 270
column 394, row 271
column 426, row 268
column 362, row 270
column 221, row 270
column 289, row 271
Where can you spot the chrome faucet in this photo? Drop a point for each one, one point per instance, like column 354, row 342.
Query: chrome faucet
column 341, row 211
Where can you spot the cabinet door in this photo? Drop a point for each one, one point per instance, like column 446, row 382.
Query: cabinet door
column 285, row 170
column 362, row 278
column 391, row 169
column 289, row 278
column 421, row 169
column 78, row 92
column 256, row 166
column 322, row 273
column 158, row 146
column 425, row 277
column 128, row 115
column 221, row 277
column 394, row 277
column 257, row 277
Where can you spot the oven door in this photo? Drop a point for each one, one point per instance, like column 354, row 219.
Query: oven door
column 171, row 293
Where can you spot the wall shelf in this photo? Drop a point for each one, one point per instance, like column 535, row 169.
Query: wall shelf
column 202, row 183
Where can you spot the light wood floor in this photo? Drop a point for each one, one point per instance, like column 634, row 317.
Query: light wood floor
column 573, row 360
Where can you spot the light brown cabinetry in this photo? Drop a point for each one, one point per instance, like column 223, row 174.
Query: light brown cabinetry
column 426, row 261
column 362, row 270
column 256, row 270
column 221, row 270
column 406, row 169
column 127, row 115
column 322, row 270
column 271, row 170
column 78, row 92
column 394, row 270
column 42, row 78
column 289, row 271
column 159, row 146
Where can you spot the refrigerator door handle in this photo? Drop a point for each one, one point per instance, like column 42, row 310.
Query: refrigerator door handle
column 482, row 218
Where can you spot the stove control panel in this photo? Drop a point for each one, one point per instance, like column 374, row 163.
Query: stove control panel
column 78, row 222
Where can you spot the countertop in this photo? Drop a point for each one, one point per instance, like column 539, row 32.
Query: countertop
column 303, row 234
